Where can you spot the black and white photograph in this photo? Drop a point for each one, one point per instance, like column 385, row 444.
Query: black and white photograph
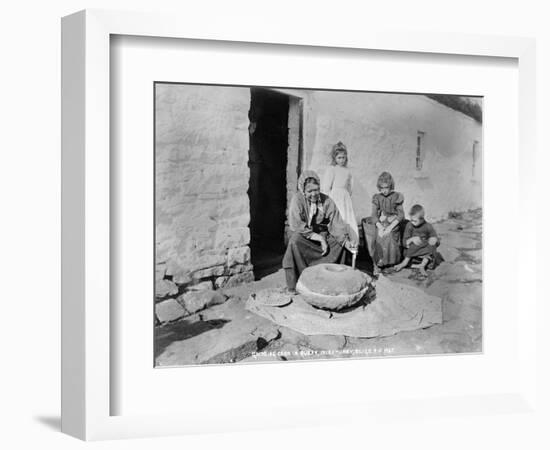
column 300, row 224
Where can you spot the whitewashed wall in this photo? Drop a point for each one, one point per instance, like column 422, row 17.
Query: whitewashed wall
column 380, row 131
column 202, row 206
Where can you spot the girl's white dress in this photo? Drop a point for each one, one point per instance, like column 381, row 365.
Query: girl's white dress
column 337, row 184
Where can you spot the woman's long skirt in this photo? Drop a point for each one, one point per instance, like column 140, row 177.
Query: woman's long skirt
column 301, row 253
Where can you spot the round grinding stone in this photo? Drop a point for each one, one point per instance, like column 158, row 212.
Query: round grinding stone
column 332, row 286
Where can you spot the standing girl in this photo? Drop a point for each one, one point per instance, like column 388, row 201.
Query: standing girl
column 382, row 230
column 337, row 184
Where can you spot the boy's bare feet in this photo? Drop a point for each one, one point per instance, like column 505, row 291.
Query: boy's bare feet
column 401, row 265
column 422, row 266
column 398, row 268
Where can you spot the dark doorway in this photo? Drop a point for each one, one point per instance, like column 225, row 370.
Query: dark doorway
column 268, row 160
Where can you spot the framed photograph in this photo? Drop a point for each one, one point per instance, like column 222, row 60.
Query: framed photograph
column 257, row 217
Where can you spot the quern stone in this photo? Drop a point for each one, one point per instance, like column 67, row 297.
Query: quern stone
column 332, row 286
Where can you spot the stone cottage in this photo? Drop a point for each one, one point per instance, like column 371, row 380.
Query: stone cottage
column 227, row 161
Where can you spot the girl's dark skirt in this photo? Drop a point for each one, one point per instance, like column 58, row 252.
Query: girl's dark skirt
column 301, row 253
column 384, row 251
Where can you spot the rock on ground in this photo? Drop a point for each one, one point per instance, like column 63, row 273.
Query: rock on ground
column 202, row 286
column 194, row 301
column 223, row 333
column 164, row 288
column 169, row 310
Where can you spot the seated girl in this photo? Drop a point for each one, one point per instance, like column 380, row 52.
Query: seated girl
column 382, row 228
column 420, row 241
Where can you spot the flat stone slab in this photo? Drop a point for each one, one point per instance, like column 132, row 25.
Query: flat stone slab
column 221, row 334
column 164, row 288
column 464, row 302
column 459, row 240
column 462, row 271
column 448, row 253
column 396, row 307
column 475, row 254
column 169, row 310
column 194, row 301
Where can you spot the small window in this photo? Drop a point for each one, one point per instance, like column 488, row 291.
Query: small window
column 419, row 150
column 475, row 157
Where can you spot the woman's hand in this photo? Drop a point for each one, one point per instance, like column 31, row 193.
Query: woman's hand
column 432, row 241
column 321, row 239
column 415, row 240
column 324, row 246
column 351, row 246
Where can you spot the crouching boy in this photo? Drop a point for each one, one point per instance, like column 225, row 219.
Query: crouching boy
column 420, row 241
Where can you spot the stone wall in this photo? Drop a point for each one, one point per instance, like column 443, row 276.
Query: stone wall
column 202, row 206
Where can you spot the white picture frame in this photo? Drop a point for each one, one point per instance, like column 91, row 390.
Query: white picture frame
column 86, row 315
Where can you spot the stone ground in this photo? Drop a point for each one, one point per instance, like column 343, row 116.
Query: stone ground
column 227, row 332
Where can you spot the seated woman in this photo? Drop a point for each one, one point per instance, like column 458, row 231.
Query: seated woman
column 319, row 234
